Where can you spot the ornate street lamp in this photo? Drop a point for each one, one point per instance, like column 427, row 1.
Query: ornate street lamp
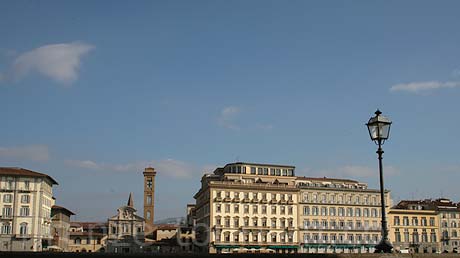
column 379, row 130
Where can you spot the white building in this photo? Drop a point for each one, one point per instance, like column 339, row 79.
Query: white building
column 26, row 198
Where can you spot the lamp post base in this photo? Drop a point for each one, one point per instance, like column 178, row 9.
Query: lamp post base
column 384, row 246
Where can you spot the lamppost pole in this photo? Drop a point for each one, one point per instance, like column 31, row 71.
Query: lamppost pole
column 379, row 131
column 382, row 202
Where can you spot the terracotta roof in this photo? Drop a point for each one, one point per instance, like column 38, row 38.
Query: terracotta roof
column 56, row 207
column 327, row 178
column 88, row 224
column 167, row 227
column 14, row 171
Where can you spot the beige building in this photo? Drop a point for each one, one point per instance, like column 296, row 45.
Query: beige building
column 87, row 237
column 414, row 226
column 60, row 227
column 248, row 207
column 26, row 198
column 449, row 224
column 338, row 216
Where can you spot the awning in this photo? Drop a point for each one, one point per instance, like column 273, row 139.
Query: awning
column 283, row 247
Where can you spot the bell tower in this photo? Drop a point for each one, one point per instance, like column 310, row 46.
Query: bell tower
column 149, row 195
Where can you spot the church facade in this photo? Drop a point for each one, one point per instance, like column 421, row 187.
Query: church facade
column 126, row 230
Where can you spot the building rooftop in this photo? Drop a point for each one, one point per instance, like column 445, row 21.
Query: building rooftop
column 15, row 171
column 60, row 208
column 327, row 179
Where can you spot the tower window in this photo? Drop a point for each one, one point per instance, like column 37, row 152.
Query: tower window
column 149, row 183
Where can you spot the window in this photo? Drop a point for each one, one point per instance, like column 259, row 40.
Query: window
column 414, row 221
column 358, row 212
column 246, row 208
column 7, row 198
column 264, row 209
column 341, row 212
column 227, row 208
column 282, row 210
column 332, row 211
column 149, row 215
column 273, row 223
column 272, row 171
column 432, row 222
column 77, row 241
column 265, row 171
column 7, row 211
column 149, row 200
column 236, row 208
column 323, row 211
column 26, row 185
column 290, row 210
column 397, row 222
column 218, row 208
column 255, row 209
column 273, row 209
column 24, row 211
column 306, row 210
column 274, row 237
column 236, row 222
column 149, row 183
column 315, row 210
column 218, row 221
column 246, row 222
column 6, row 228
column 253, row 170
column 260, row 171
column 349, row 212
column 405, row 221
column 397, row 235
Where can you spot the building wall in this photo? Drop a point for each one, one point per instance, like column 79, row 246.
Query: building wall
column 341, row 218
column 30, row 200
column 414, row 230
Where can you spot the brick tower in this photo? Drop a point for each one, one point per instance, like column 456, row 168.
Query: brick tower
column 149, row 195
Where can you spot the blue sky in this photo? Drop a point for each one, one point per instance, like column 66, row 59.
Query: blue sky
column 93, row 92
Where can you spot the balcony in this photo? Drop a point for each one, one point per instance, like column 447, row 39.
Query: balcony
column 283, row 202
column 290, row 202
column 264, row 201
column 255, row 200
column 246, row 200
column 227, row 199
column 22, row 236
column 218, row 199
column 273, row 201
column 236, row 199
column 6, row 217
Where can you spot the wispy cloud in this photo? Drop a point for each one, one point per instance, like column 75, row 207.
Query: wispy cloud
column 59, row 62
column 24, row 153
column 228, row 117
column 419, row 87
column 169, row 167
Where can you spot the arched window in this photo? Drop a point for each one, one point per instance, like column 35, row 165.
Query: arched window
column 77, row 241
column 23, row 229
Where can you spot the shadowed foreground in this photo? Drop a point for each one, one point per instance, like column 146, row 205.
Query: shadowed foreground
column 37, row 255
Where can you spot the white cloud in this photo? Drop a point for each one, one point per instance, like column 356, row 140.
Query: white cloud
column 418, row 87
column 168, row 167
column 89, row 164
column 24, row 153
column 228, row 117
column 59, row 62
